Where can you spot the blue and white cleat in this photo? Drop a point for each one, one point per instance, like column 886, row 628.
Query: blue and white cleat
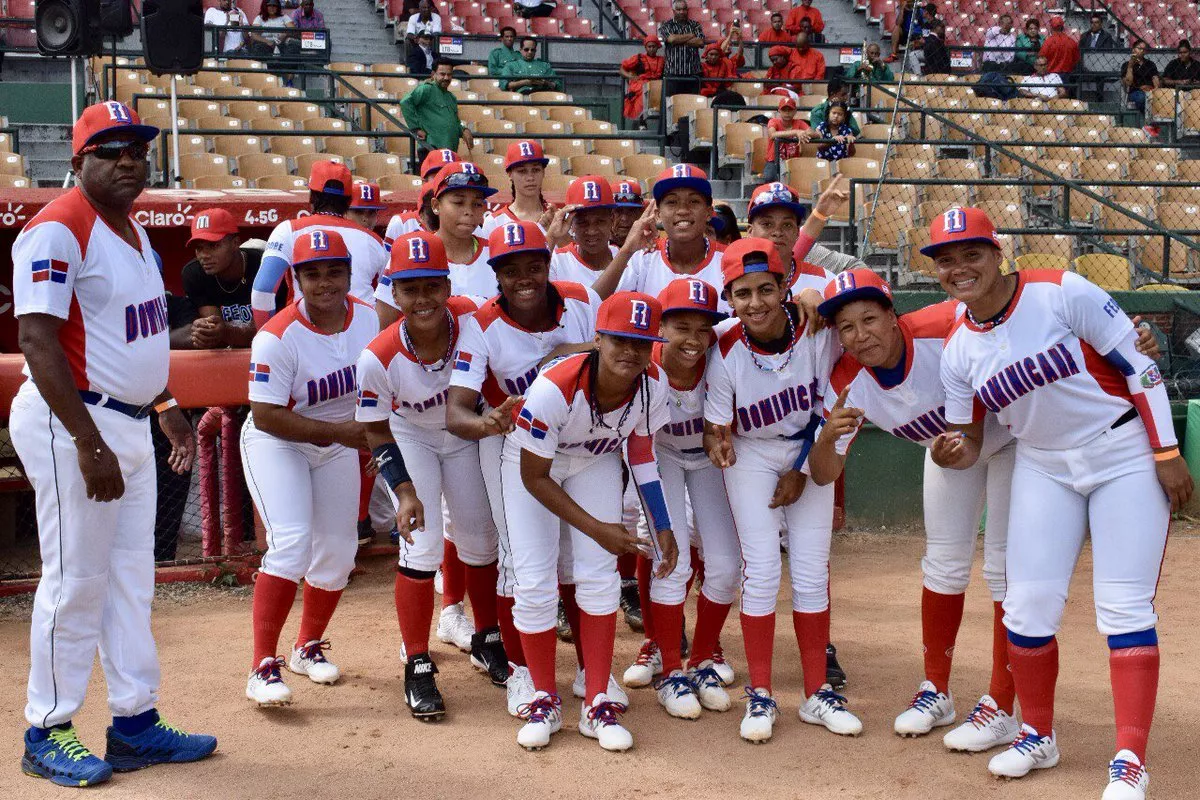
column 62, row 759
column 161, row 743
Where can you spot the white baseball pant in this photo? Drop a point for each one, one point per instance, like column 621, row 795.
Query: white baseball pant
column 97, row 566
column 490, row 450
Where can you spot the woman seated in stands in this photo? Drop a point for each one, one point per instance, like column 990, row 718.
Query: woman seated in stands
column 263, row 44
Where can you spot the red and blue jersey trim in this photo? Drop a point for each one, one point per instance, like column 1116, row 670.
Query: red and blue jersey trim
column 367, row 399
column 49, row 269
column 260, row 373
column 527, row 421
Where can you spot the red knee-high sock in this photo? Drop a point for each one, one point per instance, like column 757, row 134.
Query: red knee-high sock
column 513, row 644
column 1035, row 672
column 481, row 587
column 366, row 483
column 567, row 592
column 759, row 636
column 812, row 634
column 1001, row 689
column 273, row 598
column 454, row 575
column 1134, row 675
column 645, row 572
column 941, row 617
column 539, row 648
column 710, row 618
column 669, row 618
column 318, row 608
column 627, row 566
column 414, row 610
column 697, row 569
column 598, row 632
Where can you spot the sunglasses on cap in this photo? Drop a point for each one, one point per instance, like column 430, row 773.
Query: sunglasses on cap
column 465, row 180
column 112, row 151
column 626, row 197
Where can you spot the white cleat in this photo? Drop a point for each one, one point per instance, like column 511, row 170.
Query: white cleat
column 759, row 721
column 1127, row 778
column 677, row 696
column 309, row 659
column 724, row 670
column 454, row 628
column 266, row 687
column 1027, row 752
column 520, row 690
column 599, row 721
column 986, row 727
column 643, row 671
column 438, row 581
column 827, row 707
column 614, row 691
column 543, row 719
column 706, row 682
column 928, row 709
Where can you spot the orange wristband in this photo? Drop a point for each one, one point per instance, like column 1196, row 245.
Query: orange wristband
column 819, row 215
column 1167, row 455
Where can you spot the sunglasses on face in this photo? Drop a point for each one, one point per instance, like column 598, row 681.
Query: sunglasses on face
column 528, row 49
column 465, row 180
column 112, row 151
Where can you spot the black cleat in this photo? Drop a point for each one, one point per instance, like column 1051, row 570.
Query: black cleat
column 365, row 532
column 563, row 627
column 631, row 605
column 487, row 655
column 421, row 694
column 835, row 676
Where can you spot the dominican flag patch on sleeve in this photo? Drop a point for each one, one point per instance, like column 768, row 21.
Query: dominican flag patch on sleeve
column 260, row 373
column 367, row 399
column 527, row 421
column 49, row 269
column 462, row 361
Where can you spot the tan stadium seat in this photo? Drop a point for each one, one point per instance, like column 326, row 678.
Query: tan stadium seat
column 1065, row 104
column 893, row 194
column 1135, row 195
column 219, row 123
column 346, row 66
column 1003, row 215
column 281, row 183
column 256, row 165
column 757, row 156
column 1037, row 133
column 127, row 83
column 292, row 146
column 652, row 97
column 304, row 162
column 701, row 121
column 807, row 102
column 862, row 168
column 1160, row 105
column 367, row 85
column 1128, row 135
column 322, row 124
column 886, row 225
column 615, row 148
column 214, row 82
column 681, row 104
column 219, row 182
column 1072, row 153
column 911, row 168
column 644, row 167
column 1116, row 219
column 1107, row 271
column 593, row 165
column 998, row 193
column 269, row 125
column 749, row 89
column 1166, row 155
column 548, row 97
column 556, row 183
column 520, row 114
column 14, row 182
column 985, row 104
column 188, row 143
column 472, row 69
column 483, row 85
column 949, row 194
column 877, row 130
column 348, row 146
column 958, row 169
column 1189, row 193
column 199, row 109
column 1153, row 171
column 397, row 86
column 488, row 126
column 1099, row 170
column 389, row 67
column 566, row 148
column 12, row 164
column 1062, row 169
column 397, row 145
column 928, row 211
column 1189, row 115
column 1182, row 260
column 297, row 111
column 543, row 127
column 248, row 109
column 245, row 63
column 568, row 114
column 400, row 183
column 914, row 240
column 915, row 152
column 193, row 165
column 235, row 146
column 471, row 115
column 1059, row 245
column 163, row 122
column 1188, row 171
column 1042, row 261
column 375, row 165
column 734, row 141
column 1010, row 167
column 803, row 174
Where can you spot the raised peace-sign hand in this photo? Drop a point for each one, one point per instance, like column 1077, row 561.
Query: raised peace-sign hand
column 718, row 443
column 644, row 232
column 499, row 420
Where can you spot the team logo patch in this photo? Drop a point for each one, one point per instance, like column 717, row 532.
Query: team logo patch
column 954, row 221
column 1151, row 377
column 49, row 269
column 526, row 149
column 202, row 222
column 514, row 235
column 366, row 193
column 527, row 421
column 319, row 240
column 775, row 193
column 698, row 292
column 367, row 399
column 681, row 171
column 462, row 361
column 845, row 282
column 640, row 315
column 117, row 112
column 260, row 373
column 418, row 251
column 591, row 191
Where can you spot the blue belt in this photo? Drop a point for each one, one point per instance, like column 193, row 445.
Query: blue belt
column 104, row 401
column 692, row 451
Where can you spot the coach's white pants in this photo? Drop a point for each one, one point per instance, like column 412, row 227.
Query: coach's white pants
column 442, row 465
column 307, row 496
column 490, row 450
column 1108, row 486
column 807, row 523
column 97, row 565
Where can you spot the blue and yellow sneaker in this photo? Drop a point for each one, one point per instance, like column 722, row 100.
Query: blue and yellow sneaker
column 161, row 743
column 63, row 759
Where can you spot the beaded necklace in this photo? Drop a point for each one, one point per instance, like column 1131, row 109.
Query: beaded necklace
column 429, row 367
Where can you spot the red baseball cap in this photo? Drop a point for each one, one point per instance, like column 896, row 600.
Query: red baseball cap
column 524, row 151
column 652, row 40
column 779, row 50
column 1057, row 23
column 590, row 191
column 627, row 193
column 366, row 196
column 775, row 195
column 426, row 193
column 682, row 176
column 631, row 315
column 330, row 177
column 960, row 225
column 318, row 244
column 105, row 117
column 714, row 47
column 733, row 260
column 788, row 102
column 435, row 161
column 212, row 225
column 417, row 255
column 515, row 237
column 690, row 294
column 461, row 175
column 851, row 285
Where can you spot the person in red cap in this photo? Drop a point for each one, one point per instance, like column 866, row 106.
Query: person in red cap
column 589, row 207
column 1060, row 49
column 785, row 135
column 563, row 464
column 435, row 160
column 501, row 348
column 628, row 206
column 525, row 162
column 92, row 322
column 717, row 69
column 639, row 70
column 775, row 34
column 765, row 382
column 365, row 204
column 300, row 453
column 804, row 11
column 1053, row 356
column 421, row 218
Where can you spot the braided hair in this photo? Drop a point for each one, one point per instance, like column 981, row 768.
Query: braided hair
column 592, row 363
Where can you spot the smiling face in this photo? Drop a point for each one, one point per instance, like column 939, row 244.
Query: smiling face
column 523, row 278
column 527, row 179
column 969, row 271
column 460, row 212
column 757, row 300
column 623, row 358
column 684, row 214
column 422, row 301
column 870, row 332
column 324, row 285
column 779, row 226
column 592, row 229
column 688, row 334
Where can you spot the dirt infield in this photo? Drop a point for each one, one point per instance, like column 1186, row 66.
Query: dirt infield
column 357, row 740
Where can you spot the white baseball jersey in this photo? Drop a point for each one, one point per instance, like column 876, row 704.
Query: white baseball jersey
column 557, row 414
column 1059, row 370
column 292, row 364
column 502, row 216
column 69, row 263
column 402, row 224
column 650, row 271
column 498, row 358
column 683, row 434
column 391, row 380
column 566, row 265
column 476, row 280
column 809, row 276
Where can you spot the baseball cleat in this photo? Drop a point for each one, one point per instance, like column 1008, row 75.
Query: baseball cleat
column 266, row 687
column 835, row 676
column 706, row 682
column 759, row 721
column 1027, row 752
column 365, row 532
column 519, row 688
column 394, row 538
column 63, row 760
column 454, row 628
column 543, row 719
column 928, row 709
column 986, row 727
column 421, row 693
column 631, row 605
column 599, row 721
column 161, row 743
column 827, row 707
column 724, row 670
column 438, row 577
column 562, row 626
column 614, row 692
column 1127, row 778
column 309, row 659
column 487, row 655
column 677, row 696
column 647, row 667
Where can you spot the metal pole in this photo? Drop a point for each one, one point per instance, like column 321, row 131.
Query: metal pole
column 74, row 107
column 174, row 133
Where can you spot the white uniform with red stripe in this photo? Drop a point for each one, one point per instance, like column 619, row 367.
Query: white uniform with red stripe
column 502, row 216
column 809, row 276
column 915, row 410
column 650, row 271
column 307, row 494
column 1061, row 372
column 393, row 385
column 97, row 558
column 402, row 224
column 476, row 280
column 566, row 265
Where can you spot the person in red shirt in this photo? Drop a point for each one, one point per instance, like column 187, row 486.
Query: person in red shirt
column 804, row 11
column 785, row 135
column 715, row 65
column 776, row 33
column 638, row 70
column 782, row 69
column 810, row 61
column 1060, row 50
column 731, row 45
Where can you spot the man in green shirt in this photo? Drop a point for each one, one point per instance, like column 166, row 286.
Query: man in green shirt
column 504, row 53
column 528, row 73
column 836, row 91
column 431, row 111
column 872, row 69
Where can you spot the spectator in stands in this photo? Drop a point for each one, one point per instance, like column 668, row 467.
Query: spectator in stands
column 1139, row 76
column 783, row 69
column 999, row 44
column 937, row 57
column 534, row 8
column 872, row 68
column 715, row 66
column 1097, row 38
column 424, row 21
column 907, row 28
column 683, row 39
column 639, row 70
column 836, row 127
column 785, row 134
column 1042, row 84
column 421, row 56
column 1029, row 44
column 808, row 59
column 224, row 15
column 504, row 53
column 731, row 45
column 271, row 18
column 805, row 11
column 307, row 18
column 836, row 92
column 1060, row 50
column 431, row 112
column 529, row 73
column 776, row 33
column 1184, row 70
